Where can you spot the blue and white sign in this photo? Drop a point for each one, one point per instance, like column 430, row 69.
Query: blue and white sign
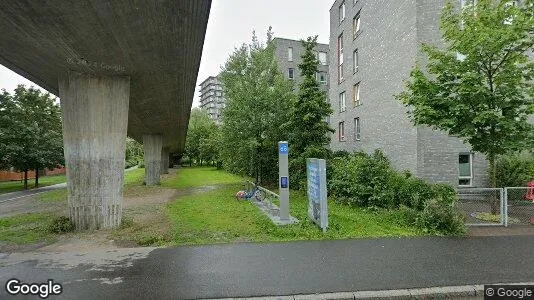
column 283, row 148
column 284, row 182
column 317, row 197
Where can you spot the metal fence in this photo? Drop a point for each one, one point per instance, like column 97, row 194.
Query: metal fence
column 520, row 205
column 483, row 206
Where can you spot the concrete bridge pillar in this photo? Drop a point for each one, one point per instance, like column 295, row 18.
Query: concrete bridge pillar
column 165, row 160
column 95, row 119
column 152, row 143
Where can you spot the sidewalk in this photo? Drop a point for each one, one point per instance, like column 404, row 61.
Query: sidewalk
column 277, row 269
column 24, row 193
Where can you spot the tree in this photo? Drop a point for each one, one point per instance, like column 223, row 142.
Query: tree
column 200, row 127
column 258, row 98
column 31, row 131
column 209, row 145
column 134, row 152
column 309, row 131
column 479, row 87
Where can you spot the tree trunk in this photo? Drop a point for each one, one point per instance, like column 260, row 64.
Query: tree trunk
column 37, row 176
column 26, row 179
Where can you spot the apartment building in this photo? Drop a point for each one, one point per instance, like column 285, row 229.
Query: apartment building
column 288, row 55
column 211, row 98
column 373, row 47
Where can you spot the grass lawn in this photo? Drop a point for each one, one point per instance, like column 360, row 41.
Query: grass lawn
column 216, row 217
column 26, row 228
column 189, row 177
column 14, row 186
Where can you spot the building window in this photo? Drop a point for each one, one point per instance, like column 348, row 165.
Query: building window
column 356, row 94
column 356, row 25
column 340, row 57
column 355, row 61
column 356, row 129
column 290, row 54
column 342, row 102
column 341, row 131
column 465, row 169
column 321, row 77
column 342, row 12
column 322, row 58
column 291, row 73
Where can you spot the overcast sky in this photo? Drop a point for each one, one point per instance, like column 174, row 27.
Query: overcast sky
column 231, row 24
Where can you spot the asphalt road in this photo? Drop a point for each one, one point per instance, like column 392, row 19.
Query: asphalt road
column 240, row 270
column 20, row 194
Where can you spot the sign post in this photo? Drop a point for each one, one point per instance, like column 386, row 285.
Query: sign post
column 317, row 198
column 283, row 183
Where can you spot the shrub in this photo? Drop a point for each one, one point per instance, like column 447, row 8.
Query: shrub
column 514, row 170
column 61, row 225
column 442, row 218
column 141, row 163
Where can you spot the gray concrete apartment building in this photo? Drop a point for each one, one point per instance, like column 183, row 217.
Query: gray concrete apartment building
column 211, row 98
column 373, row 46
column 288, row 55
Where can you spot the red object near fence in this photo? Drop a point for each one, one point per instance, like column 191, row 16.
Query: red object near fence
column 530, row 191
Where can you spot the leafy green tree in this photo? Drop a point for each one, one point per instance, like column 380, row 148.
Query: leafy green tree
column 134, row 152
column 258, row 98
column 479, row 87
column 309, row 132
column 209, row 145
column 200, row 127
column 31, row 131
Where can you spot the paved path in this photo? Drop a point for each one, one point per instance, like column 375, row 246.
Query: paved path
column 25, row 193
column 239, row 270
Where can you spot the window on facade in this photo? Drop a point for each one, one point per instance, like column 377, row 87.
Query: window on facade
column 321, row 77
column 340, row 57
column 341, row 131
column 465, row 169
column 342, row 102
column 356, row 129
column 355, row 61
column 356, row 25
column 342, row 12
column 322, row 58
column 289, row 54
column 356, row 94
column 291, row 73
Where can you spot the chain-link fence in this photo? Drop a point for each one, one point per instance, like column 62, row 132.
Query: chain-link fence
column 520, row 205
column 482, row 206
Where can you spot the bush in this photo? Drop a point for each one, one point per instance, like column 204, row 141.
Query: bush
column 370, row 181
column 514, row 170
column 442, row 218
column 61, row 225
column 141, row 163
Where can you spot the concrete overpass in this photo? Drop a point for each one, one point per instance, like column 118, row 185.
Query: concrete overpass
column 121, row 66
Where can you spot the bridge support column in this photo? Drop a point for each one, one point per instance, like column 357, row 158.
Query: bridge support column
column 152, row 143
column 95, row 119
column 165, row 160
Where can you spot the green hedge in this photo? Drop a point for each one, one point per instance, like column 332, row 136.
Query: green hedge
column 514, row 170
column 369, row 180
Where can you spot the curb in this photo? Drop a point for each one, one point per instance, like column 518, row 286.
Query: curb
column 446, row 292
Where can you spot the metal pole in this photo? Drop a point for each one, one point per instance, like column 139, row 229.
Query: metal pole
column 505, row 207
column 283, row 182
